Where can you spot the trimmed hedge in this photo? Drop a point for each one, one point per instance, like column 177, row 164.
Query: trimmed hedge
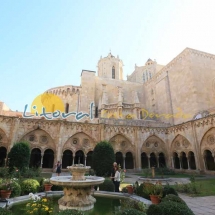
column 173, row 198
column 4, row 211
column 169, row 190
column 107, row 185
column 169, row 208
column 19, row 156
column 103, row 158
column 130, row 211
column 30, row 186
column 16, row 191
column 70, row 212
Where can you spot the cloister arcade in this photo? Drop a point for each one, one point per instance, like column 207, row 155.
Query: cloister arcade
column 79, row 149
column 153, row 153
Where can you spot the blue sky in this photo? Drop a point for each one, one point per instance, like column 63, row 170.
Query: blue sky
column 47, row 43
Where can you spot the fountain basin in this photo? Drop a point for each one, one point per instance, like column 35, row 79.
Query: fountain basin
column 78, row 172
column 68, row 182
column 155, row 180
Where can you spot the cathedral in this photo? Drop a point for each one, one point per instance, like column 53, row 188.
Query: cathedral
column 161, row 116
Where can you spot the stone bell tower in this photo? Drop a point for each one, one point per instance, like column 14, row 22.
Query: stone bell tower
column 110, row 67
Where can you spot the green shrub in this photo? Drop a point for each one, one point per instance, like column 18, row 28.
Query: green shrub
column 4, row 211
column 70, row 212
column 146, row 172
column 107, row 185
column 57, row 188
column 16, row 191
column 164, row 171
column 4, row 172
column 154, row 210
column 130, row 203
column 19, row 156
column 173, row 198
column 169, row 190
column 32, row 172
column 191, row 188
column 103, row 158
column 30, row 186
column 130, row 211
column 124, row 190
column 169, row 208
column 140, row 191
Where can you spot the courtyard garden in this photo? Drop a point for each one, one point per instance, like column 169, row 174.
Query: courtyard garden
column 17, row 179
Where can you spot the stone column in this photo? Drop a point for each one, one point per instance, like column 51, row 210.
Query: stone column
column 123, row 161
column 173, row 166
column 73, row 160
column 41, row 160
column 188, row 162
column 149, row 166
column 85, row 160
column 157, row 160
column 204, row 162
column 180, row 163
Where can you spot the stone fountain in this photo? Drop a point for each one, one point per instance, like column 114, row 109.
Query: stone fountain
column 77, row 188
column 154, row 179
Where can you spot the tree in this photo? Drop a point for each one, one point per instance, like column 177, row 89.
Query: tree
column 19, row 156
column 103, row 158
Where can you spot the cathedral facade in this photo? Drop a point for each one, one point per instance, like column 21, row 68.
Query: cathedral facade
column 162, row 115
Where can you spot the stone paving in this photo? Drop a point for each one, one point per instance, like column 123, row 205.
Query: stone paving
column 200, row 205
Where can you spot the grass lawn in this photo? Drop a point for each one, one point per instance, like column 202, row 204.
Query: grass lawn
column 177, row 175
column 46, row 174
column 206, row 187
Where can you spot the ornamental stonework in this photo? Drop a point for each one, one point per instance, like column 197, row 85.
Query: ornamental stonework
column 211, row 139
column 185, row 143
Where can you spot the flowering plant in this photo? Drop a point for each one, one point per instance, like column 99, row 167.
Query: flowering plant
column 122, row 173
column 46, row 181
column 153, row 189
column 38, row 205
column 7, row 184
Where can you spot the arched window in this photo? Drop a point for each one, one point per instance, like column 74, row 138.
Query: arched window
column 67, row 108
column 143, row 77
column 150, row 75
column 146, row 76
column 113, row 72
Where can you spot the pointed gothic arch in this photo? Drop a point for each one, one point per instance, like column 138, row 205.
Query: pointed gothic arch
column 181, row 144
column 155, row 151
column 121, row 143
column 80, row 141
